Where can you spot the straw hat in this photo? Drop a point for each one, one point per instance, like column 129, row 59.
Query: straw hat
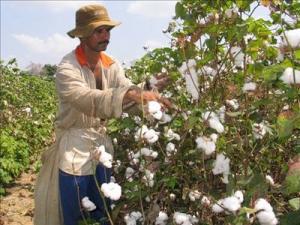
column 90, row 17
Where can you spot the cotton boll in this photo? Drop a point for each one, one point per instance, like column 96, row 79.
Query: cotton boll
column 161, row 219
column 288, row 76
column 129, row 174
column 205, row 201
column 206, row 144
column 231, row 203
column 153, row 82
column 151, row 136
column 267, row 218
column 216, row 208
column 232, row 12
column 270, row 180
column 214, row 123
column 111, row 190
column 292, row 37
column 194, row 195
column 259, row 130
column 262, row 204
column 233, row 103
column 170, row 148
column 104, row 158
column 239, row 195
column 166, row 118
column 154, row 109
column 221, row 166
column 214, row 137
column 140, row 132
column 184, row 219
column 172, row 135
column 249, row 86
column 192, row 85
column 87, row 204
column 238, row 56
column 133, row 217
column 148, row 178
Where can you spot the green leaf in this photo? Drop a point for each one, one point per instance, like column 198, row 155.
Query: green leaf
column 291, row 218
column 180, row 11
column 297, row 54
column 295, row 203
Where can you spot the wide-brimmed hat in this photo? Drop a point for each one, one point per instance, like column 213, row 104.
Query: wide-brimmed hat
column 90, row 17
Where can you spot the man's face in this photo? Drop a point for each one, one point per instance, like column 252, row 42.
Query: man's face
column 99, row 39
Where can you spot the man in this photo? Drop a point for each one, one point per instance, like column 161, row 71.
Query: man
column 91, row 87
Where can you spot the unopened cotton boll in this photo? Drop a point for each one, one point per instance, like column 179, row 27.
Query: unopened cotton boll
column 87, row 204
column 250, row 86
column 162, row 218
column 288, row 76
column 111, row 190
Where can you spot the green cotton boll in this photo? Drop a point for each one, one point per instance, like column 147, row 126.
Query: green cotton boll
column 292, row 183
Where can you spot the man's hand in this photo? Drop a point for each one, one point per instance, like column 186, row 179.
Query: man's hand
column 144, row 97
column 159, row 81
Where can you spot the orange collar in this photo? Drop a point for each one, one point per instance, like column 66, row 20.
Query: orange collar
column 81, row 58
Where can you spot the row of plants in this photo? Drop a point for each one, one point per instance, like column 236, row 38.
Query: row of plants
column 27, row 110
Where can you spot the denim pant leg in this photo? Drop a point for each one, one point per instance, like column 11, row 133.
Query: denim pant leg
column 72, row 189
column 103, row 176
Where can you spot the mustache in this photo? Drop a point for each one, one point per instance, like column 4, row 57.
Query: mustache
column 103, row 42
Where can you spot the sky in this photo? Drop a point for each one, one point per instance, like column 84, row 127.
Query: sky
column 35, row 31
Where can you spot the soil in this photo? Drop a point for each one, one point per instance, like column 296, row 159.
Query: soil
column 16, row 207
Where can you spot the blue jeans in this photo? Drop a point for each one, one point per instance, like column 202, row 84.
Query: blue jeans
column 73, row 188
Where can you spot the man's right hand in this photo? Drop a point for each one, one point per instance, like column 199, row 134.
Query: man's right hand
column 143, row 97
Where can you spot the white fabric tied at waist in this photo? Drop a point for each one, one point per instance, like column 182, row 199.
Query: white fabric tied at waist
column 76, row 147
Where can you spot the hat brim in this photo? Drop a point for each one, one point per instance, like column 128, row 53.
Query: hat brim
column 86, row 31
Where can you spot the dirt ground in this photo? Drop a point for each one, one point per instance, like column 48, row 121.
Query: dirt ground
column 16, row 207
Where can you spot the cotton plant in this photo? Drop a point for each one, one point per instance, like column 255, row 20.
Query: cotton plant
column 265, row 213
column 184, row 219
column 213, row 121
column 207, row 144
column 102, row 156
column 111, row 190
column 229, row 204
column 221, row 166
column 290, row 76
